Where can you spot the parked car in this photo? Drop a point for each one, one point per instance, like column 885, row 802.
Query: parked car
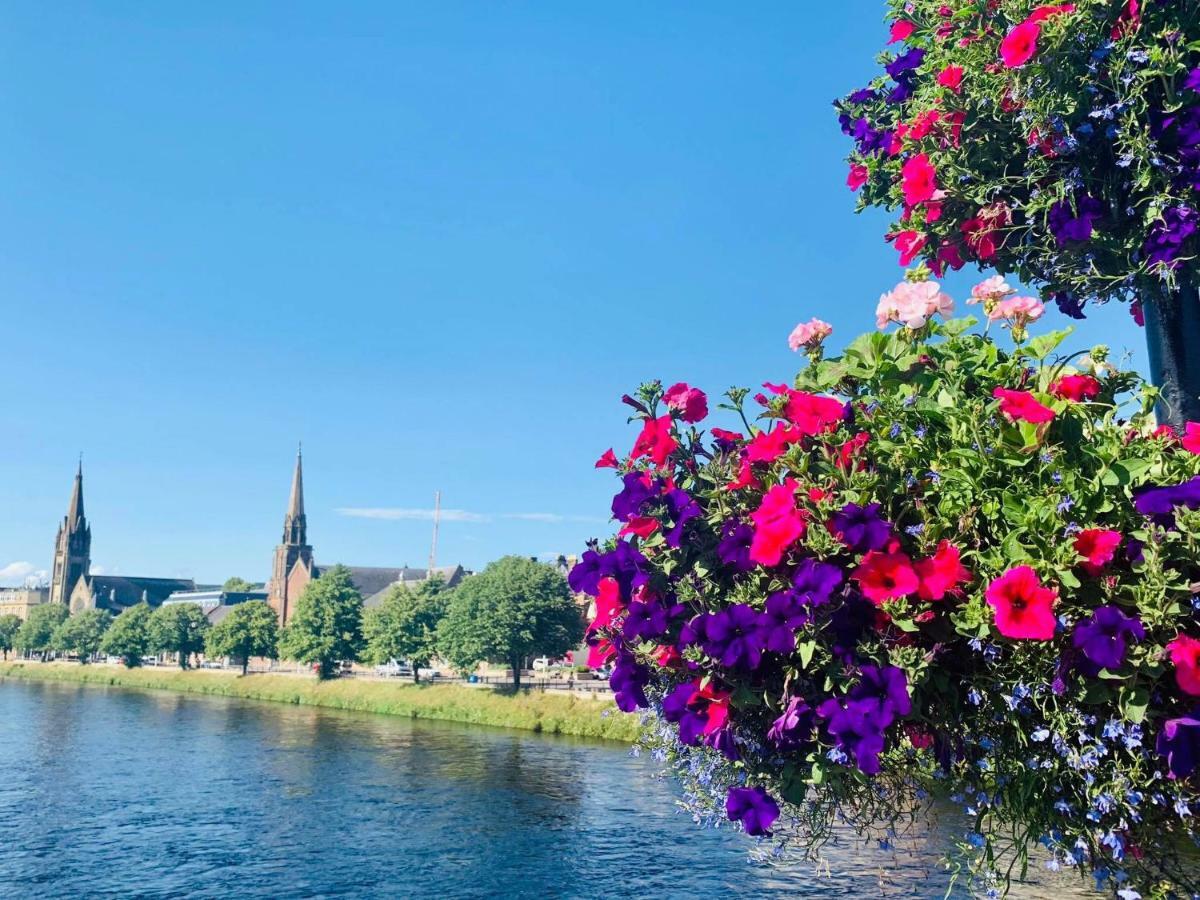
column 393, row 668
column 541, row 664
column 429, row 673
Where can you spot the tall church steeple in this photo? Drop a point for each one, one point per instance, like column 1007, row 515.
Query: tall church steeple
column 72, row 547
column 293, row 552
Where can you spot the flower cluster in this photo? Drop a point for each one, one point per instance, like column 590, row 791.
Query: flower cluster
column 1060, row 141
column 929, row 565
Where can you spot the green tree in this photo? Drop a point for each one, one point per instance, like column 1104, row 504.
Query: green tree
column 177, row 628
column 326, row 627
column 513, row 609
column 237, row 585
column 250, row 629
column 82, row 633
column 129, row 635
column 404, row 625
column 9, row 625
column 35, row 632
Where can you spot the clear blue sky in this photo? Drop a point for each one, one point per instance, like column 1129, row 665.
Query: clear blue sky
column 434, row 241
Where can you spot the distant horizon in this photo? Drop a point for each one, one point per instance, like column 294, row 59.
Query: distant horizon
column 436, row 244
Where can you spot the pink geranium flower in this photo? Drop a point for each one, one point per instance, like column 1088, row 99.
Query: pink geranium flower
column 1022, row 406
column 689, row 402
column 1017, row 311
column 912, row 304
column 1024, row 606
column 1097, row 546
column 918, row 179
column 991, row 289
column 778, row 524
column 1020, row 44
column 809, row 334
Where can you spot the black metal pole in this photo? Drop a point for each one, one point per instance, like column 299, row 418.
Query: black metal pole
column 1173, row 339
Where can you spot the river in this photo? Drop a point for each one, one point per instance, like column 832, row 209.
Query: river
column 106, row 792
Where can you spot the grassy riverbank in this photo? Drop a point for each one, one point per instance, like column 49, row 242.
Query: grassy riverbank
column 532, row 711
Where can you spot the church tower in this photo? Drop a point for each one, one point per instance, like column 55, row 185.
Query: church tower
column 286, row 583
column 72, row 547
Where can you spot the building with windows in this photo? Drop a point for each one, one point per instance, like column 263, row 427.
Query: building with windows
column 18, row 601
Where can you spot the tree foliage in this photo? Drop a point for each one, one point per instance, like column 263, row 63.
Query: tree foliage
column 237, row 585
column 513, row 609
column 250, row 629
column 82, row 633
column 9, row 626
column 177, row 628
column 404, row 625
column 129, row 635
column 326, row 628
column 36, row 632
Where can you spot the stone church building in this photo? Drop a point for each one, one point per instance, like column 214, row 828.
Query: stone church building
column 72, row 582
column 294, row 567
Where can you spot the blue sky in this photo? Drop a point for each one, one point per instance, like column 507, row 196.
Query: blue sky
column 434, row 241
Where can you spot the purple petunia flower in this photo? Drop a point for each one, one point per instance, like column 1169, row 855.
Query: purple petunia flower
column 794, row 728
column 734, row 547
column 814, row 582
column 848, row 623
column 1103, row 638
column 778, row 624
column 1193, row 80
column 904, row 63
column 628, row 682
column 858, row 729
column 1164, row 244
column 1158, row 503
column 645, row 620
column 861, row 528
column 1074, row 221
column 1069, row 304
column 624, row 563
column 639, row 490
column 1179, row 742
column 753, row 807
column 734, row 637
column 866, row 95
column 888, row 685
column 681, row 509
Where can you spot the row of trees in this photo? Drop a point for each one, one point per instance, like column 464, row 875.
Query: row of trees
column 514, row 609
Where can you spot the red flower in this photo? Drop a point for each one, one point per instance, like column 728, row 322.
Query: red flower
column 1042, row 13
column 901, row 31
column 608, row 603
column 859, row 175
column 1191, row 437
column 642, row 526
column 948, row 257
column 745, row 478
column 951, row 77
column 655, row 441
column 849, row 451
column 813, row 414
column 883, row 576
column 1024, row 607
column 909, row 243
column 777, row 524
column 1021, row 406
column 1185, row 655
column 981, row 237
column 608, row 460
column 922, row 126
column 689, row 402
column 919, row 179
column 1097, row 546
column 942, row 574
column 1020, row 44
column 667, row 656
column 768, row 446
column 1076, row 388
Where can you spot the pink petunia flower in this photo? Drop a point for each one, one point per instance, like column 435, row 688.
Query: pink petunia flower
column 951, row 77
column 901, row 31
column 1076, row 388
column 778, row 524
column 655, row 441
column 886, row 576
column 1185, row 656
column 1022, row 406
column 909, row 243
column 1191, row 437
column 858, row 176
column 918, row 179
column 1097, row 546
column 1024, row 607
column 689, row 402
column 1020, row 44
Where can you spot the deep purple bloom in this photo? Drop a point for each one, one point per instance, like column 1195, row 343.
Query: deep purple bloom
column 1075, row 221
column 1104, row 637
column 848, row 622
column 734, row 547
column 1167, row 236
column 638, row 491
column 861, row 528
column 902, row 91
column 858, row 729
column 677, row 708
column 866, row 95
column 794, row 728
column 814, row 582
column 1193, row 80
column 734, row 637
column 888, row 685
column 778, row 624
column 681, row 509
column 624, row 563
column 1069, row 304
column 905, row 62
column 628, row 682
column 753, row 807
column 1179, row 742
column 1158, row 503
column 693, row 631
column 645, row 620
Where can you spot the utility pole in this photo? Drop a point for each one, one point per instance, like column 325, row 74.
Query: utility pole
column 437, row 515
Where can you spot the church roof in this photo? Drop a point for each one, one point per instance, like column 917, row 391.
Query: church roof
column 374, row 581
column 117, row 592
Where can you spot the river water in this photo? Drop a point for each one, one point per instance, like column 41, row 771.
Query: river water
column 117, row 793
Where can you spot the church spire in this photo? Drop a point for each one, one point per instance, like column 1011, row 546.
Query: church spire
column 296, row 502
column 75, row 510
column 72, row 547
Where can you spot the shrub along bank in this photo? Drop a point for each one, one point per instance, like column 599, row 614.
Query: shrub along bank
column 542, row 712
